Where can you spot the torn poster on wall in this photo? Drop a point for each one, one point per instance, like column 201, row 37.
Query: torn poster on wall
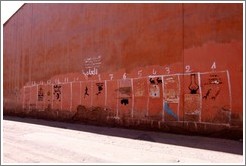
column 192, row 108
column 171, row 89
column 154, row 89
column 125, row 91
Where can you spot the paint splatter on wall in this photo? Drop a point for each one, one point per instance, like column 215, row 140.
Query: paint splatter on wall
column 169, row 111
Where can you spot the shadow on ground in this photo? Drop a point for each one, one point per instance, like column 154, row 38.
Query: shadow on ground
column 215, row 144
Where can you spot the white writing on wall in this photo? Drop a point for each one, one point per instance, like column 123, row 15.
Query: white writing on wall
column 91, row 65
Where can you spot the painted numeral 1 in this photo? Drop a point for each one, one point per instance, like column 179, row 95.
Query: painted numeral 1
column 139, row 73
column 154, row 71
column 213, row 67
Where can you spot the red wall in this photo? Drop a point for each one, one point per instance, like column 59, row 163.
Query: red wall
column 143, row 58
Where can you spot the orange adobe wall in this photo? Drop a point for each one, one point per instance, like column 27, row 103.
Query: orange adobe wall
column 171, row 67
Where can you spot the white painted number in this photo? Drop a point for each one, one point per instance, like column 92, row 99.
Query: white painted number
column 154, row 71
column 124, row 76
column 187, row 68
column 139, row 73
column 111, row 76
column 213, row 67
column 99, row 77
column 167, row 70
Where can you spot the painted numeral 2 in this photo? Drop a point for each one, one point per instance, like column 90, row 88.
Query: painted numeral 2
column 187, row 68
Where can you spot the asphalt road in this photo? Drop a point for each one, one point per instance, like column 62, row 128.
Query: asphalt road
column 39, row 141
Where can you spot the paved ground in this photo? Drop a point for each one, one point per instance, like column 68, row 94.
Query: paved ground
column 39, row 141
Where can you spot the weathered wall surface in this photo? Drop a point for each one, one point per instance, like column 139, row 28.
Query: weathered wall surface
column 165, row 64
